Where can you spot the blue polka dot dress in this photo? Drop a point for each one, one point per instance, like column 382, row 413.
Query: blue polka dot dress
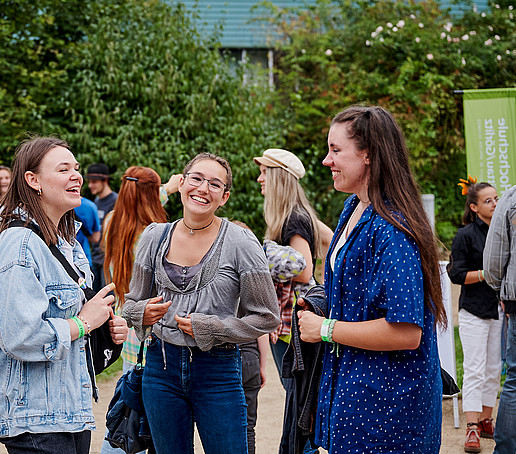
column 379, row 402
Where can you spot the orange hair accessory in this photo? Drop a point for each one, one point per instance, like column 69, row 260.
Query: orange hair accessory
column 465, row 184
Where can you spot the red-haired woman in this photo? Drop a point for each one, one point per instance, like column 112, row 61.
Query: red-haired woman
column 140, row 203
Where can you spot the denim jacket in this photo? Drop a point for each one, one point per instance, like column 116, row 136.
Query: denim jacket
column 44, row 381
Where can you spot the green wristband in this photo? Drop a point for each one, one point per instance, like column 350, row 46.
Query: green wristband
column 80, row 325
column 325, row 327
column 330, row 330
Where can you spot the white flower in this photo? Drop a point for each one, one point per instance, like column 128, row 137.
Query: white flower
column 483, row 14
column 498, row 57
column 465, row 37
column 456, row 40
column 449, row 39
column 418, row 39
column 497, row 6
column 400, row 24
column 368, row 43
column 489, row 42
column 443, row 35
column 511, row 7
column 394, row 29
column 373, row 34
column 490, row 27
column 510, row 16
column 389, row 24
column 379, row 29
column 412, row 16
column 303, row 51
column 497, row 37
column 328, row 52
column 448, row 27
column 508, row 52
column 429, row 56
column 472, row 32
column 463, row 61
column 421, row 25
column 382, row 40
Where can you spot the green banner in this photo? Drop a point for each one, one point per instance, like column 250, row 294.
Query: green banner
column 490, row 129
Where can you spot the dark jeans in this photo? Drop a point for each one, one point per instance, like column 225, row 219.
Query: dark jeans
column 205, row 387
column 49, row 443
column 505, row 428
column 252, row 382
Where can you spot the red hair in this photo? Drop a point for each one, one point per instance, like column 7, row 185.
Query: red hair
column 137, row 206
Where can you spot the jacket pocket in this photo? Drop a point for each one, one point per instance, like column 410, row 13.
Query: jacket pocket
column 63, row 301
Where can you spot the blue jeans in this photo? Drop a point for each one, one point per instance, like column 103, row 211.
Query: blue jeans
column 505, row 429
column 49, row 443
column 201, row 387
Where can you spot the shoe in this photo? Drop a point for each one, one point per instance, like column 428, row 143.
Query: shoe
column 472, row 442
column 486, row 428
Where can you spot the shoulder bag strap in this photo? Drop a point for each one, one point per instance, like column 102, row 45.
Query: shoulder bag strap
column 163, row 236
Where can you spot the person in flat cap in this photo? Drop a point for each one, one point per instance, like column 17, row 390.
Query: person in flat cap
column 291, row 221
column 105, row 198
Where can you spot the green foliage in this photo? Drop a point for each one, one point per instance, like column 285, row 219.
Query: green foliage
column 135, row 84
column 408, row 57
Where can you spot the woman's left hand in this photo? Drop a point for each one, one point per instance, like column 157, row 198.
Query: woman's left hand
column 118, row 329
column 185, row 324
column 310, row 326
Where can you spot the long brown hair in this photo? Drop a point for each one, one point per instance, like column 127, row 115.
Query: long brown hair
column 393, row 192
column 136, row 207
column 21, row 200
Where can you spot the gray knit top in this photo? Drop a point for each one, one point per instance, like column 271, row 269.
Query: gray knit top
column 230, row 299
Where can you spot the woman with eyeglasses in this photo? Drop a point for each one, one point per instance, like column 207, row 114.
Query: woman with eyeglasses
column 213, row 290
column 480, row 315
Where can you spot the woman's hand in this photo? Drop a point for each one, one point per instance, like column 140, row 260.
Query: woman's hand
column 310, row 326
column 97, row 310
column 172, row 185
column 154, row 310
column 185, row 324
column 118, row 329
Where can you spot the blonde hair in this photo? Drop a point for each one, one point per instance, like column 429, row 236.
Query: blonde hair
column 284, row 195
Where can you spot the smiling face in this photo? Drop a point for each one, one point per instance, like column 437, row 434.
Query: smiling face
column 5, row 179
column 201, row 201
column 60, row 182
column 262, row 178
column 349, row 166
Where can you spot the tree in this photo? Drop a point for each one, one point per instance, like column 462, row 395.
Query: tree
column 408, row 57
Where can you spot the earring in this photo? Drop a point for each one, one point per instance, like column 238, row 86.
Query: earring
column 39, row 192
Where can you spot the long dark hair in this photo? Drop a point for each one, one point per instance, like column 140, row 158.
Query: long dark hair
column 393, row 192
column 20, row 195
column 469, row 215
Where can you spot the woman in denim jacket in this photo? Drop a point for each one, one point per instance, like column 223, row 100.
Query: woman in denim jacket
column 45, row 384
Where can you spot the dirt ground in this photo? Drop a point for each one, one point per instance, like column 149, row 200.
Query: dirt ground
column 270, row 416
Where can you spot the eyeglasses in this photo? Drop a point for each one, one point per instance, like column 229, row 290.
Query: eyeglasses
column 196, row 180
column 490, row 201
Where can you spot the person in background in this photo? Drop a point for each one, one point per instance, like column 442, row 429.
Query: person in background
column 139, row 203
column 500, row 274
column 291, row 221
column 87, row 214
column 105, row 198
column 480, row 314
column 5, row 179
column 380, row 388
column 46, row 404
column 214, row 290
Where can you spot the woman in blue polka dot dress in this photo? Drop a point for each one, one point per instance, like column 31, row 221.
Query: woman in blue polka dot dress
column 380, row 389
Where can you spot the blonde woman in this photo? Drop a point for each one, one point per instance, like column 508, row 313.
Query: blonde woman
column 291, row 221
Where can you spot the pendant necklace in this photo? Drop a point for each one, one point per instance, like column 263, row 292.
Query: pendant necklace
column 200, row 228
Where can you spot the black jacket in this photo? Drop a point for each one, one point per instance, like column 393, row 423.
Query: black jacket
column 303, row 364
